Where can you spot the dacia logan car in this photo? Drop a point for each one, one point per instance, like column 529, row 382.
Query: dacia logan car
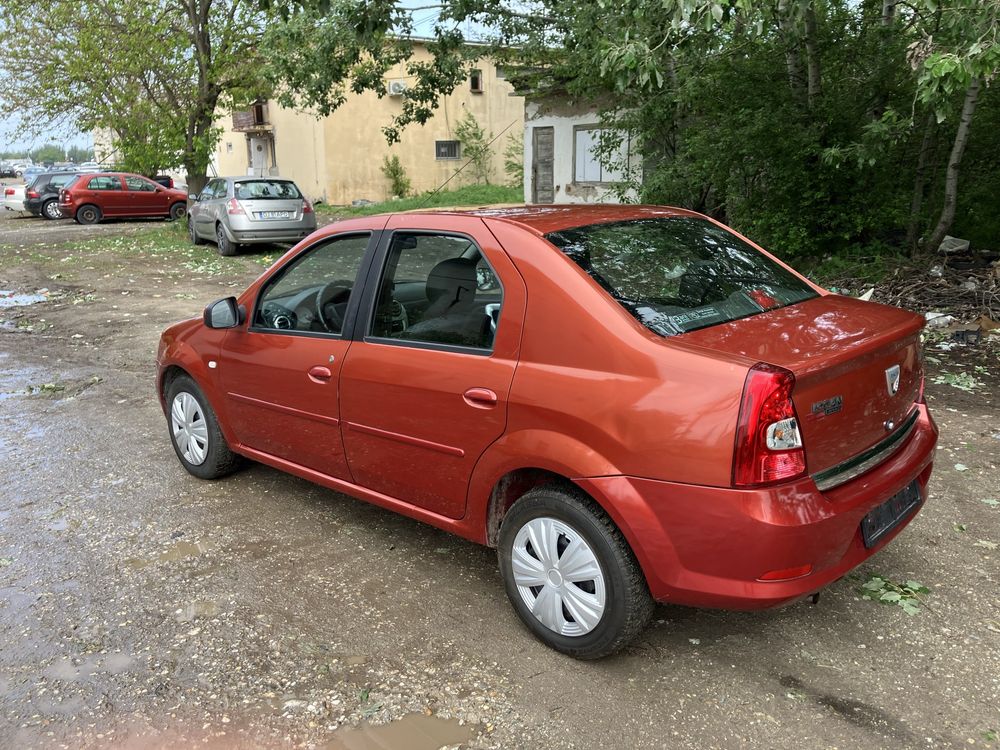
column 631, row 403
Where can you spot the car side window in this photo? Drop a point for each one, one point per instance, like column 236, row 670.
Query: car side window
column 312, row 292
column 139, row 185
column 437, row 289
column 208, row 192
column 104, row 182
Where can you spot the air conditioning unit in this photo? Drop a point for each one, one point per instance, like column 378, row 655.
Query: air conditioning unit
column 396, row 88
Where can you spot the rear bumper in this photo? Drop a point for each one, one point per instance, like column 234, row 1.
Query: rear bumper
column 709, row 546
column 245, row 231
column 34, row 205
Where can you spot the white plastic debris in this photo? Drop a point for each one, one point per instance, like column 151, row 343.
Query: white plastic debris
column 938, row 320
column 937, row 272
column 867, row 296
column 951, row 245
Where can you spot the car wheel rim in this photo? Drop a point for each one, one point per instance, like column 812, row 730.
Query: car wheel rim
column 189, row 428
column 52, row 211
column 558, row 576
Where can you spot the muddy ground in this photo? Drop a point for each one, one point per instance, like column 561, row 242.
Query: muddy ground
column 140, row 607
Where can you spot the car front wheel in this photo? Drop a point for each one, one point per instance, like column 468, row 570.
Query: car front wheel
column 88, row 215
column 570, row 574
column 195, row 433
column 50, row 209
column 193, row 233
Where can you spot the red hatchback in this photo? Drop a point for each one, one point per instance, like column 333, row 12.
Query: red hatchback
column 631, row 403
column 108, row 195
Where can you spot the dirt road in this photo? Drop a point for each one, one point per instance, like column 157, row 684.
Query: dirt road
column 140, row 607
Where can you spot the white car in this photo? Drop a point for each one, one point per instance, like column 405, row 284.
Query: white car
column 89, row 166
column 13, row 197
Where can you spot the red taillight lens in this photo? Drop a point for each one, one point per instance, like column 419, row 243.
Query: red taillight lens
column 920, row 391
column 306, row 207
column 768, row 443
column 233, row 208
column 8, row 191
column 31, row 194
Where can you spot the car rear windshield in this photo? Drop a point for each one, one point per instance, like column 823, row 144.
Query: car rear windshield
column 679, row 274
column 257, row 190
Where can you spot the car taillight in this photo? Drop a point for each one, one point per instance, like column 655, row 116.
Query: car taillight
column 306, row 207
column 920, row 391
column 768, row 442
column 233, row 208
column 8, row 191
column 31, row 194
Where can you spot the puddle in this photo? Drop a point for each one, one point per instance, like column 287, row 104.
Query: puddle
column 20, row 299
column 197, row 608
column 173, row 553
column 412, row 732
column 65, row 670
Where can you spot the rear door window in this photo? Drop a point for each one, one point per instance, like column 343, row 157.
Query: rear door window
column 679, row 274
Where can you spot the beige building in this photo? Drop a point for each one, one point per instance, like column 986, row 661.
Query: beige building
column 338, row 159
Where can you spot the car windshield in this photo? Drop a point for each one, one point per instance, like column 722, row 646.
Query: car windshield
column 682, row 273
column 256, row 190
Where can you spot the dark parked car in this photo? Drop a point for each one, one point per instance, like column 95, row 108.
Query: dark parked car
column 631, row 403
column 42, row 196
column 118, row 194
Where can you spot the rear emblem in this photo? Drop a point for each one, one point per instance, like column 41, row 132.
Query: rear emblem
column 828, row 407
column 892, row 380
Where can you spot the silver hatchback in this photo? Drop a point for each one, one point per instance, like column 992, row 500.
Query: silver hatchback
column 234, row 211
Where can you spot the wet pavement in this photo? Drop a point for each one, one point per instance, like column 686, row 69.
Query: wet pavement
column 140, row 607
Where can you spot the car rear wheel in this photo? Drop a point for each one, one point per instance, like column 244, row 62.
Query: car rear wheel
column 88, row 215
column 226, row 246
column 178, row 211
column 195, row 432
column 193, row 233
column 50, row 209
column 570, row 575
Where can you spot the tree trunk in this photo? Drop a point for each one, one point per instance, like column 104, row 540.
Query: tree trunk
column 814, row 82
column 920, row 184
column 954, row 162
column 793, row 59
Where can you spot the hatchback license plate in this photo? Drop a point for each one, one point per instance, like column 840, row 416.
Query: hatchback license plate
column 273, row 214
column 887, row 516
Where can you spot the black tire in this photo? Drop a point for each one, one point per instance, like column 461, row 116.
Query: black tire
column 192, row 234
column 178, row 211
column 50, row 209
column 219, row 460
column 628, row 604
column 88, row 214
column 227, row 247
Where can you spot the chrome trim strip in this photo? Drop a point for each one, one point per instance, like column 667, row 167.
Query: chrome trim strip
column 866, row 460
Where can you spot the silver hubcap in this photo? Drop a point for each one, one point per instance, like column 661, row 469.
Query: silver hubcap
column 189, row 428
column 52, row 209
column 558, row 576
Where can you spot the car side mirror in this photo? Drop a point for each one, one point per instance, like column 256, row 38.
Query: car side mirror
column 224, row 313
column 193, row 198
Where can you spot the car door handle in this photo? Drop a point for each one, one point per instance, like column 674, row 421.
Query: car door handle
column 481, row 398
column 320, row 373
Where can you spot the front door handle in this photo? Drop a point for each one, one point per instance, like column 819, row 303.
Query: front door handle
column 481, row 398
column 320, row 374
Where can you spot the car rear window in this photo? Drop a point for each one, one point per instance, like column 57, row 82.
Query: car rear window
column 680, row 274
column 256, row 190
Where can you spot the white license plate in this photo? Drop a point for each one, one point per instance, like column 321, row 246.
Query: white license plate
column 274, row 214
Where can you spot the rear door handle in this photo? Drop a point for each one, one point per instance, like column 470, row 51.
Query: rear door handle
column 320, row 373
column 481, row 398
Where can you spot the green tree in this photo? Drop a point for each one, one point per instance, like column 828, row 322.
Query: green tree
column 513, row 159
column 50, row 152
column 476, row 148
column 153, row 73
column 398, row 181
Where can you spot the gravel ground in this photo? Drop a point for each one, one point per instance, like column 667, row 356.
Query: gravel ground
column 140, row 607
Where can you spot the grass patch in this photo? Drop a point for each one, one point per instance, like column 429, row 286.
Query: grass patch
column 855, row 269
column 470, row 195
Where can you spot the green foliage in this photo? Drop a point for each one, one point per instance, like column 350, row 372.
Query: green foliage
column 476, row 148
column 48, row 152
column 513, row 160
column 964, row 381
column 906, row 595
column 470, row 195
column 394, row 172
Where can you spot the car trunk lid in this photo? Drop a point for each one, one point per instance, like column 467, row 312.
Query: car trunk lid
column 856, row 364
column 272, row 209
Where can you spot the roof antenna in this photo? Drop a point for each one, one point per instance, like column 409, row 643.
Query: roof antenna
column 458, row 171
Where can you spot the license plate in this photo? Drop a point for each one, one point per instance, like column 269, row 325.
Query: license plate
column 273, row 214
column 887, row 516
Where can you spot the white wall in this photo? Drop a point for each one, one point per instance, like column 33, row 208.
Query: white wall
column 563, row 118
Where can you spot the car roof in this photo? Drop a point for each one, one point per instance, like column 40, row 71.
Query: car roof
column 542, row 220
column 248, row 178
